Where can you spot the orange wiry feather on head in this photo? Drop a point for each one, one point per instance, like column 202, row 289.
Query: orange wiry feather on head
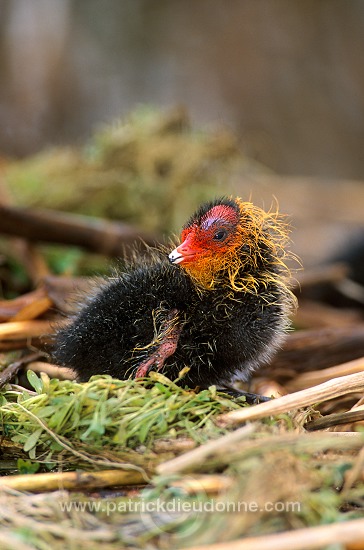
column 254, row 255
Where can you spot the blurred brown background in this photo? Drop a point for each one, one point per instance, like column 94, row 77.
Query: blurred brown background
column 287, row 77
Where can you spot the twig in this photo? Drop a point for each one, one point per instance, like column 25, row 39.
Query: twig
column 93, row 234
column 12, row 370
column 334, row 420
column 19, row 330
column 71, row 481
column 351, row 383
column 210, row 484
column 33, row 310
column 227, row 449
column 307, row 350
column 11, row 308
column 176, row 446
column 300, row 539
column 53, row 371
column 309, row 379
column 196, row 456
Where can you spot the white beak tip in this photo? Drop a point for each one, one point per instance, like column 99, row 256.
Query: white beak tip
column 175, row 257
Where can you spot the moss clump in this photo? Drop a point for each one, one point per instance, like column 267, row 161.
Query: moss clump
column 150, row 169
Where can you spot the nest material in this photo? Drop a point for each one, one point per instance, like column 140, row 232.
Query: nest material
column 149, row 464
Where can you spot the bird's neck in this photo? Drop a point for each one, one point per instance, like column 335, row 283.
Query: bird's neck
column 232, row 278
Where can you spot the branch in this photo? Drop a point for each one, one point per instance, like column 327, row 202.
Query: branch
column 307, row 350
column 94, row 234
column 352, row 383
column 12, row 370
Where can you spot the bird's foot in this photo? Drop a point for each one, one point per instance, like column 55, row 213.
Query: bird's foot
column 166, row 348
column 251, row 398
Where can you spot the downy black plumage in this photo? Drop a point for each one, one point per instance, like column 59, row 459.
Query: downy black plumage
column 218, row 304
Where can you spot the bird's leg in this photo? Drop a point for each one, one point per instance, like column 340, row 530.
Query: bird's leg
column 171, row 331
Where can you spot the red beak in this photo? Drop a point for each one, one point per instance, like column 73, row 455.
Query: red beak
column 183, row 252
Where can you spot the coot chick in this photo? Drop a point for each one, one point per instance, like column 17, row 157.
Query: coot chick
column 218, row 304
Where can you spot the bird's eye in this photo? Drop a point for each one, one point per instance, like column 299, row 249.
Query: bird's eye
column 220, row 235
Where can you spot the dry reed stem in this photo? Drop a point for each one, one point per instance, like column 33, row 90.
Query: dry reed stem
column 228, row 446
column 33, row 310
column 336, row 419
column 22, row 330
column 308, row 379
column 300, row 539
column 71, row 480
column 210, row 484
column 53, row 371
column 9, row 308
column 180, row 445
column 196, row 456
column 351, row 383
